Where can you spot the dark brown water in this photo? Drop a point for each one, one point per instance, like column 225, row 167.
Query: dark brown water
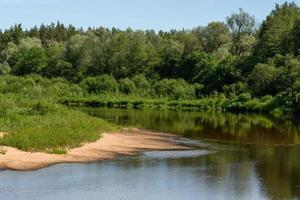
column 240, row 157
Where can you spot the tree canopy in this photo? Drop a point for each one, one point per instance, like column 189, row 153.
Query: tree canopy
column 229, row 57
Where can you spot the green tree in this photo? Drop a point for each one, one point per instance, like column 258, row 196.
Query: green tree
column 171, row 54
column 57, row 66
column 296, row 38
column 31, row 61
column 214, row 36
column 275, row 35
column 262, row 78
column 242, row 26
column 26, row 58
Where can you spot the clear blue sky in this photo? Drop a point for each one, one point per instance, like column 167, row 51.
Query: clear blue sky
column 137, row 14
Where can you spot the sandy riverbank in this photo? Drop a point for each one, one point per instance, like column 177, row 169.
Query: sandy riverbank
column 110, row 146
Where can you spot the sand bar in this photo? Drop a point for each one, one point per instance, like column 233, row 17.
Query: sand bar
column 110, row 146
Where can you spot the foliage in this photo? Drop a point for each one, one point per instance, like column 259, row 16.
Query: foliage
column 35, row 121
column 276, row 32
column 100, row 84
column 232, row 65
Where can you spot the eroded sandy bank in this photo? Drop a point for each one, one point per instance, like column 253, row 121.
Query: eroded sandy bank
column 110, row 146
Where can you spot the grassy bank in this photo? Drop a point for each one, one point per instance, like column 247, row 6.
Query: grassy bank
column 35, row 122
column 52, row 131
column 37, row 115
column 241, row 103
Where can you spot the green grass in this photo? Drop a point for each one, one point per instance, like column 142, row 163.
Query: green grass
column 35, row 111
column 35, row 121
column 57, row 151
column 214, row 103
column 65, row 129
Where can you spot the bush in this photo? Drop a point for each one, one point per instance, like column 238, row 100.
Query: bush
column 175, row 89
column 235, row 89
column 100, row 84
column 262, row 78
column 143, row 86
column 127, row 86
column 5, row 69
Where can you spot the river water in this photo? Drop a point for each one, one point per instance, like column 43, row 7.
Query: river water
column 236, row 157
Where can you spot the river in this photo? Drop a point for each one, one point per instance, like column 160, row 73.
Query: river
column 237, row 157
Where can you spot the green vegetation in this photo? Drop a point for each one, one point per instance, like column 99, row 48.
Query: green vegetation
column 246, row 127
column 241, row 103
column 231, row 66
column 35, row 122
column 229, row 61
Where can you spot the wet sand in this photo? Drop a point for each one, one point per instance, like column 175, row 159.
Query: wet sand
column 110, row 146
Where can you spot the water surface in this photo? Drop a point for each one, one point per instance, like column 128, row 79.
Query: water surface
column 237, row 157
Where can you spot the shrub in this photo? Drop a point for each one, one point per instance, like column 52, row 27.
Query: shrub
column 127, row 86
column 100, row 84
column 143, row 86
column 175, row 89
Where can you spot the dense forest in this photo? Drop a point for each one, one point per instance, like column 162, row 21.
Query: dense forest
column 249, row 66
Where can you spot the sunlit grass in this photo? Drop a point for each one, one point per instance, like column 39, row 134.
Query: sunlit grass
column 35, row 121
column 60, row 130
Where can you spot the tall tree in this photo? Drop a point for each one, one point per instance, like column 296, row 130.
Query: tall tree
column 275, row 35
column 242, row 26
column 213, row 36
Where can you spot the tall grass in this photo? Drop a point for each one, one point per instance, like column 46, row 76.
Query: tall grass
column 34, row 121
column 211, row 103
column 63, row 129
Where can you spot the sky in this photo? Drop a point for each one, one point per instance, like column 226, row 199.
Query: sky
column 137, row 14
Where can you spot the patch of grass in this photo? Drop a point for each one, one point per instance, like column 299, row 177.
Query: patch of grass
column 36, row 122
column 57, row 151
column 63, row 129
column 219, row 103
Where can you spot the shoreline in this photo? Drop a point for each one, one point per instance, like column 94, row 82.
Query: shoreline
column 108, row 147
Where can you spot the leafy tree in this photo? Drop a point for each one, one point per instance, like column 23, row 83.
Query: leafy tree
column 226, row 73
column 231, row 58
column 171, row 54
column 204, row 68
column 214, row 36
column 296, row 38
column 31, row 61
column 56, row 64
column 26, row 58
column 275, row 35
column 262, row 78
column 242, row 26
column 14, row 35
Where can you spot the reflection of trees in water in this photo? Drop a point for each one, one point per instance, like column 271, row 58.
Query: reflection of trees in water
column 274, row 169
column 248, row 128
column 279, row 168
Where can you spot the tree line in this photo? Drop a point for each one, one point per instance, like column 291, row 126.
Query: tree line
column 232, row 57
